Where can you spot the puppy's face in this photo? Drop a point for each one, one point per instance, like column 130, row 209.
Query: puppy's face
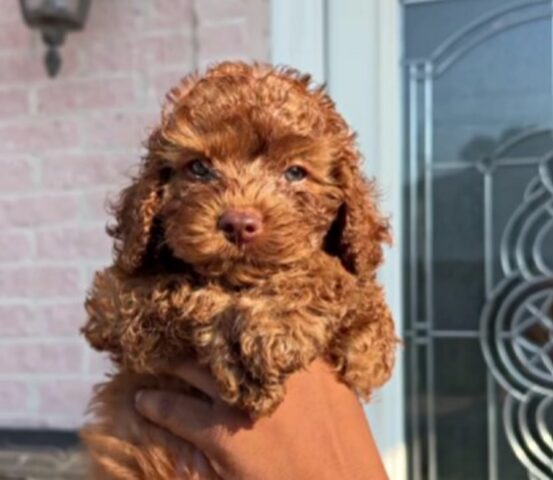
column 241, row 201
column 251, row 169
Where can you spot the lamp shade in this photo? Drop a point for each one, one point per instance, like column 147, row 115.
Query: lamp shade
column 54, row 18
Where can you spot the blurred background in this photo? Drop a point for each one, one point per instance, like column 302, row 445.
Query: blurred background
column 453, row 103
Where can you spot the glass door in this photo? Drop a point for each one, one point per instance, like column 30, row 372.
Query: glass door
column 479, row 239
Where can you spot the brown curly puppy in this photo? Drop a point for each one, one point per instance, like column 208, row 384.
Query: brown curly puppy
column 248, row 241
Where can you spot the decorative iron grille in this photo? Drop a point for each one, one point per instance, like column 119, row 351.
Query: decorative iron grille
column 479, row 197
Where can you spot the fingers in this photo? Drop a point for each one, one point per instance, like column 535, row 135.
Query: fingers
column 198, row 377
column 184, row 416
column 201, row 464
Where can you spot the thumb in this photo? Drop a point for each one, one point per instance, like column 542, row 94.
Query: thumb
column 185, row 416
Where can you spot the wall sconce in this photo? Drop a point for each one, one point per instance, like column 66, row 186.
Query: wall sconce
column 54, row 18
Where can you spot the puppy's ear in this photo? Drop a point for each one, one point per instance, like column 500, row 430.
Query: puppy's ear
column 135, row 216
column 359, row 230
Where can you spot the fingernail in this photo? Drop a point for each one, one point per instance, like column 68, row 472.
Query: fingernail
column 200, row 463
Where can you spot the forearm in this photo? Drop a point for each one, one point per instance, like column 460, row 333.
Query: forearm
column 360, row 459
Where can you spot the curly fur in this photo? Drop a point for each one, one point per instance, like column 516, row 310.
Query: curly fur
column 304, row 289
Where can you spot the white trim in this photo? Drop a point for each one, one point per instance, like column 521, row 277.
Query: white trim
column 297, row 35
column 358, row 45
column 364, row 78
column 390, row 178
column 352, row 65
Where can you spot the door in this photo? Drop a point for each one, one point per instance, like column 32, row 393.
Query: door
column 478, row 203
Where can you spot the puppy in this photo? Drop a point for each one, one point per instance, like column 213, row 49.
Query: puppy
column 248, row 241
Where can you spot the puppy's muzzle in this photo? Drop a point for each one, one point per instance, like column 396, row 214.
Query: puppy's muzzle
column 240, row 226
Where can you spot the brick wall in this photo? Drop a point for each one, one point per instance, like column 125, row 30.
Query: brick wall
column 66, row 143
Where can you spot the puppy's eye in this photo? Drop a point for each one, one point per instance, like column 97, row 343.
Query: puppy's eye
column 199, row 169
column 295, row 174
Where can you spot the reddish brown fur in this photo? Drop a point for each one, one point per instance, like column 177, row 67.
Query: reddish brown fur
column 305, row 288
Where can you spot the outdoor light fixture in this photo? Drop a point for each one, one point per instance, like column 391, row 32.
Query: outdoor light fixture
column 54, row 18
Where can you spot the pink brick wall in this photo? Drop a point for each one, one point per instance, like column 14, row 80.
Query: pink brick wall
column 65, row 144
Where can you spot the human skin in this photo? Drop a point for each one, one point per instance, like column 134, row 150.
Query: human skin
column 318, row 432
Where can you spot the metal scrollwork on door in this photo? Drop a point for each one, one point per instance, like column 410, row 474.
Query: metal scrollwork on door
column 517, row 326
column 479, row 225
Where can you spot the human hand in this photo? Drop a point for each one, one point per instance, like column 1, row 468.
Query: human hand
column 318, row 432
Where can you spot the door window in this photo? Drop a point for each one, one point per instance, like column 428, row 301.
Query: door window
column 479, row 230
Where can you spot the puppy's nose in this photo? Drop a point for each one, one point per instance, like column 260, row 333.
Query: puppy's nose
column 240, row 226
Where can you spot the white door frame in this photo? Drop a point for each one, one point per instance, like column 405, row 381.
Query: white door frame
column 355, row 47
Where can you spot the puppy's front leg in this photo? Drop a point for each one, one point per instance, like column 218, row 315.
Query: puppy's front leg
column 362, row 351
column 272, row 339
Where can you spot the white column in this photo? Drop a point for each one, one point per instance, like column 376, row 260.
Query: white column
column 297, row 35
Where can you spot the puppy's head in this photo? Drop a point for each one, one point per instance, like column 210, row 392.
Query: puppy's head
column 251, row 169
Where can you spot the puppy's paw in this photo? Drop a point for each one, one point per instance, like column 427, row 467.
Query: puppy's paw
column 257, row 348
column 270, row 355
column 239, row 387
